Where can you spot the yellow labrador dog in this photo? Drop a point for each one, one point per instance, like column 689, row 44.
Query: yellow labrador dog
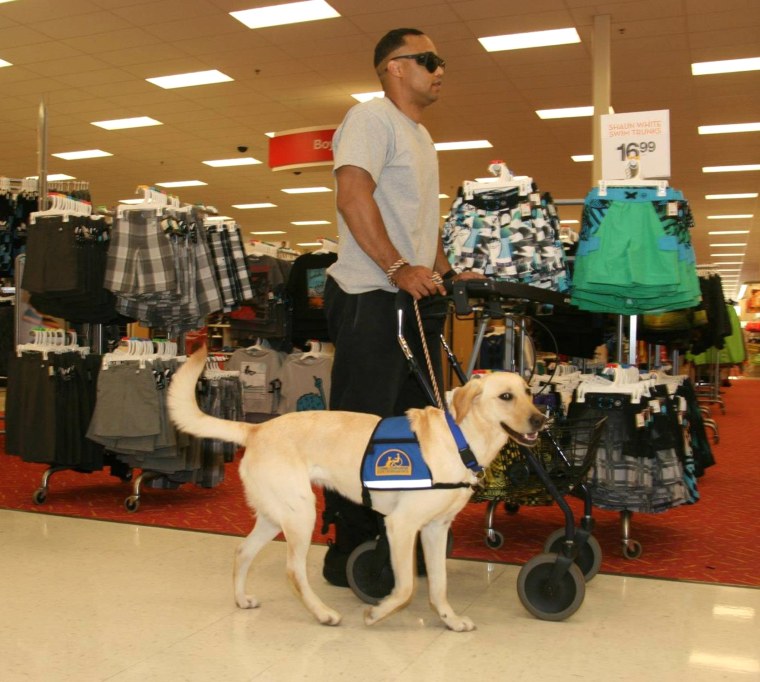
column 286, row 455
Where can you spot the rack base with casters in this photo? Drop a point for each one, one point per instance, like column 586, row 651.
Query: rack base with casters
column 632, row 549
column 39, row 496
column 132, row 503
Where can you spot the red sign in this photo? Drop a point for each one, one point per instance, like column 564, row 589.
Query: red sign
column 301, row 148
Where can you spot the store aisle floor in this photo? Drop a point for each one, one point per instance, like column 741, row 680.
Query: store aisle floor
column 90, row 600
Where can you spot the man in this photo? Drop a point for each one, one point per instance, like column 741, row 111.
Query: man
column 386, row 173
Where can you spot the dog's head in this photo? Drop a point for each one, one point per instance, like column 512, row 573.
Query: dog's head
column 503, row 398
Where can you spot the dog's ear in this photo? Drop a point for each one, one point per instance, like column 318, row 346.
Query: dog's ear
column 464, row 397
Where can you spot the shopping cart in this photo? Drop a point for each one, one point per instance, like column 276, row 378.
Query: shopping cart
column 551, row 585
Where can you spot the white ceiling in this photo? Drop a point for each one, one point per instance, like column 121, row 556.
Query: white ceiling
column 88, row 60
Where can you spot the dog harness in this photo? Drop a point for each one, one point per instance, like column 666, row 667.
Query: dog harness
column 393, row 459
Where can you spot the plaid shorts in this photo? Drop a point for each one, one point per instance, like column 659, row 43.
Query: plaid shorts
column 140, row 260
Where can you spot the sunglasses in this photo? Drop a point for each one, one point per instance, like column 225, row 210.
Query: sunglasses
column 430, row 60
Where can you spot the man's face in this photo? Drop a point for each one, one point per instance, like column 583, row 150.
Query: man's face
column 417, row 80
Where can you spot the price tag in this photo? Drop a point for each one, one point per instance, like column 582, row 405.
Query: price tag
column 636, row 145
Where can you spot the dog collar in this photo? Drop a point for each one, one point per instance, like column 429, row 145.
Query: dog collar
column 468, row 459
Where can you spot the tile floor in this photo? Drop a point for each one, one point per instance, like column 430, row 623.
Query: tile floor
column 84, row 600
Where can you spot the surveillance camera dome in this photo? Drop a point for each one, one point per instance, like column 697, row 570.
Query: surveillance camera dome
column 242, row 149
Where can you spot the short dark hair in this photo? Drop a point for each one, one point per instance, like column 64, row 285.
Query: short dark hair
column 392, row 41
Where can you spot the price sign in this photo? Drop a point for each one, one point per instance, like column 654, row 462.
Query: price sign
column 636, row 145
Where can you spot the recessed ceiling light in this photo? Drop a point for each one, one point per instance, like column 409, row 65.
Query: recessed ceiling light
column 730, row 169
column 265, row 204
column 582, row 158
column 306, row 190
column 182, row 183
column 743, row 195
column 308, row 243
column 521, row 41
column 187, row 80
column 131, row 201
column 725, row 255
column 265, row 232
column 443, row 196
column 4, row 63
column 725, row 66
column 271, row 134
column 290, row 13
column 367, row 96
column 729, row 128
column 310, row 222
column 54, row 177
column 569, row 222
column 729, row 232
column 465, row 144
column 723, row 246
column 567, row 112
column 123, row 123
column 730, row 217
column 237, row 161
column 83, row 154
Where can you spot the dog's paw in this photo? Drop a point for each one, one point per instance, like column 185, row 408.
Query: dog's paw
column 247, row 602
column 329, row 617
column 459, row 623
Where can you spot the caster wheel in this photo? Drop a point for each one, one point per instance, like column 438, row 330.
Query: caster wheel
column 716, row 440
column 370, row 576
column 39, row 496
column 132, row 504
column 543, row 600
column 494, row 539
column 511, row 508
column 589, row 558
column 632, row 549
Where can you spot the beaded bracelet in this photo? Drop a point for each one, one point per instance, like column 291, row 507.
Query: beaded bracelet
column 393, row 269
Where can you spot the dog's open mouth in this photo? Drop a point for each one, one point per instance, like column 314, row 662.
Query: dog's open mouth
column 528, row 439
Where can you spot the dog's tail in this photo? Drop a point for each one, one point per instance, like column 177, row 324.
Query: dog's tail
column 184, row 410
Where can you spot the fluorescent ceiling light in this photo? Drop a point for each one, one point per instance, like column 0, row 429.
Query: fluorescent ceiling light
column 182, row 183
column 123, row 123
column 83, row 154
column 131, row 201
column 308, row 243
column 582, row 158
column 367, row 96
column 263, row 232
column 743, row 195
column 729, row 262
column 725, row 66
column 567, row 112
column 265, row 204
column 465, row 144
column 443, row 196
column 54, row 177
column 568, row 222
column 310, row 222
column 729, row 232
column 723, row 246
column 186, row 80
column 729, row 169
column 306, row 190
column 729, row 128
column 730, row 217
column 521, row 41
column 271, row 134
column 725, row 255
column 291, row 13
column 238, row 161
column 4, row 63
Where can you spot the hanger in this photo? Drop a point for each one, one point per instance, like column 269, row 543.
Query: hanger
column 504, row 180
column 661, row 185
column 328, row 246
column 152, row 200
column 65, row 206
column 263, row 248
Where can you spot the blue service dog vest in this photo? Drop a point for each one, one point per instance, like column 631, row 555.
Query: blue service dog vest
column 393, row 459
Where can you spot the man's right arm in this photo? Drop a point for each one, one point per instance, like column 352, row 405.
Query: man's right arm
column 357, row 205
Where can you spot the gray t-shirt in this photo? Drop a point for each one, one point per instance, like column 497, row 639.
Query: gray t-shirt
column 399, row 155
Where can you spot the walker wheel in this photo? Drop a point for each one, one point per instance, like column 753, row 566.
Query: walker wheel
column 39, row 496
column 632, row 549
column 132, row 504
column 511, row 508
column 589, row 557
column 547, row 601
column 494, row 539
column 369, row 575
